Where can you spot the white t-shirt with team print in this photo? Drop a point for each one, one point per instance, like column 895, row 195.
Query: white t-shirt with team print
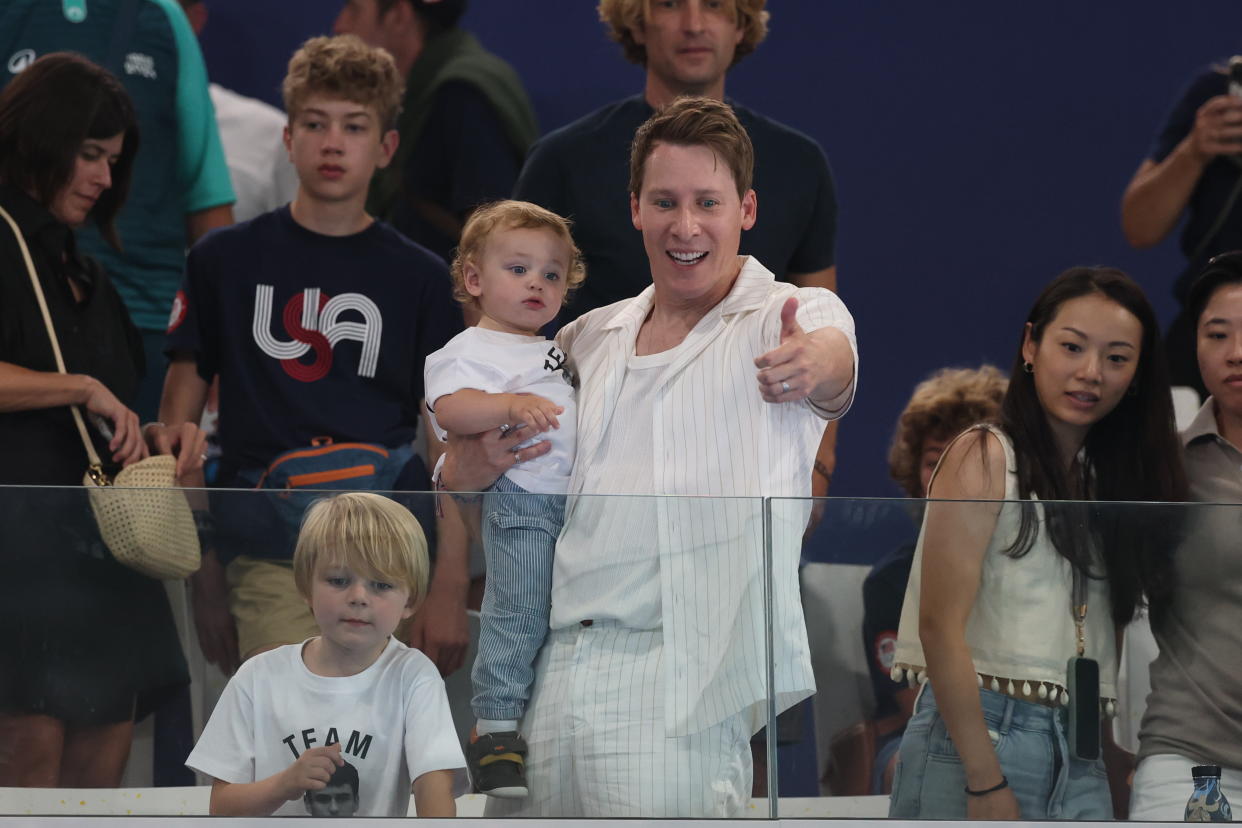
column 392, row 721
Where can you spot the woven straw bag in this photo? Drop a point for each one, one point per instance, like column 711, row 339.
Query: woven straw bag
column 143, row 518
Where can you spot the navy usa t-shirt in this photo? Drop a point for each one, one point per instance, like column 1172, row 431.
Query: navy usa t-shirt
column 311, row 335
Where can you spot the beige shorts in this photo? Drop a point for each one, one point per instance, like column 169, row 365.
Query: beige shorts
column 266, row 605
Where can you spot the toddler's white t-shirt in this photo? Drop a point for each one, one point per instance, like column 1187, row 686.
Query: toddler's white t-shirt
column 503, row 363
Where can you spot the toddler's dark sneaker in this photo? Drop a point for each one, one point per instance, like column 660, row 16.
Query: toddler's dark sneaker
column 497, row 763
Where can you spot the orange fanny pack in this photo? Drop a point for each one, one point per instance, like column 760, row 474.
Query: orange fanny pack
column 301, row 474
column 329, row 465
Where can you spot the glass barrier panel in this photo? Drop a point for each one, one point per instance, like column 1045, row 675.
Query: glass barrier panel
column 669, row 617
column 656, row 657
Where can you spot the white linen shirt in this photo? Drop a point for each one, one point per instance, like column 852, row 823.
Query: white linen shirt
column 713, row 437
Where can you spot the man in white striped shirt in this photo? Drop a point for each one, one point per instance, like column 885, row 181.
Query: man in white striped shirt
column 654, row 675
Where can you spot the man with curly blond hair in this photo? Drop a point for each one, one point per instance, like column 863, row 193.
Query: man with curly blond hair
column 316, row 318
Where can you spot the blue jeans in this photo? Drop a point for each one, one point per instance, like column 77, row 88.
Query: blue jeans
column 1029, row 740
column 519, row 538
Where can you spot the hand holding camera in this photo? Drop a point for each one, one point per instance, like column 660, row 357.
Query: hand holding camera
column 1218, row 123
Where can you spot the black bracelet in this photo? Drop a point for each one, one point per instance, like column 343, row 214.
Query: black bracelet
column 1001, row 785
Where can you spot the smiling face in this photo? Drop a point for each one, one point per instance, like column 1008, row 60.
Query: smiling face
column 92, row 175
column 1220, row 348
column 520, row 280
column 692, row 220
column 357, row 611
column 336, row 146
column 1084, row 364
column 690, row 45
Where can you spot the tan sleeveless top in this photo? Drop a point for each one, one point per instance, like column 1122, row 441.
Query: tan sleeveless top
column 1021, row 629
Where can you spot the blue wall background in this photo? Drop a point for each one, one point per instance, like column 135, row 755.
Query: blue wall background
column 979, row 147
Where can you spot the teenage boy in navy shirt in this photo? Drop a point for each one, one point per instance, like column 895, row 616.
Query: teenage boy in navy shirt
column 317, row 319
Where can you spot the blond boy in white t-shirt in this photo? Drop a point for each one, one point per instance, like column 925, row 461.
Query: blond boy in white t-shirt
column 290, row 717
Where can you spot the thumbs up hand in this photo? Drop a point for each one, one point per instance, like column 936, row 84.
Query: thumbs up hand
column 789, row 320
column 803, row 365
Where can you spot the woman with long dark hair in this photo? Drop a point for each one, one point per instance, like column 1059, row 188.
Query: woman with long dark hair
column 1006, row 589
column 86, row 645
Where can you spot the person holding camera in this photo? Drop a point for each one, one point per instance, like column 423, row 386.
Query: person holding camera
column 1194, row 169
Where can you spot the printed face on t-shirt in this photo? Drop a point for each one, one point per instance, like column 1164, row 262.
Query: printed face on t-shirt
column 332, row 801
column 520, row 280
column 336, row 146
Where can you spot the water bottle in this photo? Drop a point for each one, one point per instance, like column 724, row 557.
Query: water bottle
column 1207, row 803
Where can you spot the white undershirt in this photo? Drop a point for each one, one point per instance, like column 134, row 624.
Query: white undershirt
column 607, row 564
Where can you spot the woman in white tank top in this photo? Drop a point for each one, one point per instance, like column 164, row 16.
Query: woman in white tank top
column 991, row 618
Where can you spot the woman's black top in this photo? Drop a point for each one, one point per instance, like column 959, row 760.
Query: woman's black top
column 96, row 336
column 86, row 640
